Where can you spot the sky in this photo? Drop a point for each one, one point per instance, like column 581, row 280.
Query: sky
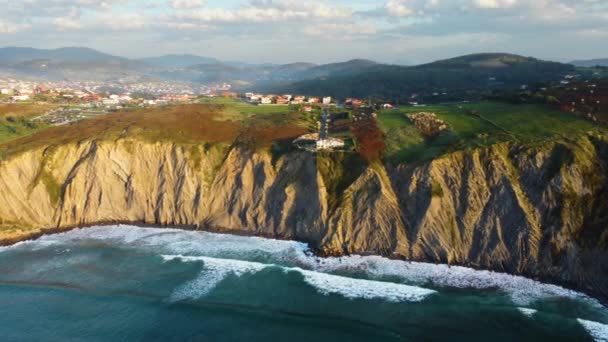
column 320, row 31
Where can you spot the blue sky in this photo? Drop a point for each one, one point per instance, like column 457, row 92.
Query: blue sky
column 282, row 31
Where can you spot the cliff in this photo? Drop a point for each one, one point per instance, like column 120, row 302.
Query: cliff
column 540, row 211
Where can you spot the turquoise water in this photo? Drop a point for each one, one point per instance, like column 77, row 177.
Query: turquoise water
column 126, row 283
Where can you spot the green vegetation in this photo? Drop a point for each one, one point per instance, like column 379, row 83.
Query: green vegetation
column 339, row 171
column 237, row 110
column 477, row 124
column 212, row 124
column 436, row 189
column 15, row 120
column 53, row 188
column 462, row 77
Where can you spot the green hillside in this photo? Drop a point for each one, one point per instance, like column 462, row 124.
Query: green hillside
column 462, row 77
column 476, row 124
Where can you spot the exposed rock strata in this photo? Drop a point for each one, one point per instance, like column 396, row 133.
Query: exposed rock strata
column 539, row 211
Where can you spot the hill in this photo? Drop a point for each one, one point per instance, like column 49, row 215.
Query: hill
column 452, row 78
column 12, row 55
column 178, row 61
column 67, row 63
column 589, row 63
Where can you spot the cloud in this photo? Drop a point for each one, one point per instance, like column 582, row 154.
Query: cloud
column 260, row 11
column 346, row 31
column 494, row 3
column 398, row 8
column 186, row 4
column 369, row 26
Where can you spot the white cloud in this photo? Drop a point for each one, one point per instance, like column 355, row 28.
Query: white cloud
column 266, row 11
column 186, row 4
column 495, row 3
column 67, row 23
column 8, row 27
column 340, row 31
column 399, row 8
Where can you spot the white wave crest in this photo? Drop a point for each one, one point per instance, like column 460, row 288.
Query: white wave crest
column 598, row 331
column 522, row 291
column 217, row 270
column 527, row 312
column 362, row 288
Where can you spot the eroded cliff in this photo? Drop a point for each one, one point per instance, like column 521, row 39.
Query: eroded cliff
column 539, row 210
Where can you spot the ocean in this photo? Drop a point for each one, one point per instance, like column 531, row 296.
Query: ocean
column 124, row 283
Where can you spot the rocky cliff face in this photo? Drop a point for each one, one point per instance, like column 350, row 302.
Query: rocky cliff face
column 540, row 211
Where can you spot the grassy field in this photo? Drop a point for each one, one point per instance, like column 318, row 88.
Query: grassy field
column 184, row 124
column 237, row 110
column 475, row 125
column 15, row 120
column 23, row 110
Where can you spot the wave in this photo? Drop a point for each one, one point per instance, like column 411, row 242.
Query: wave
column 527, row 312
column 598, row 331
column 216, row 270
column 522, row 291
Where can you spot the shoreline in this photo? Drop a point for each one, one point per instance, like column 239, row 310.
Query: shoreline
column 58, row 230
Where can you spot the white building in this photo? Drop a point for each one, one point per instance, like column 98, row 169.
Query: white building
column 327, row 100
column 125, row 98
column 6, row 91
column 20, row 98
column 329, row 143
column 266, row 100
column 110, row 102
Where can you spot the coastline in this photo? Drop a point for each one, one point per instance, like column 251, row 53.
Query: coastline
column 317, row 252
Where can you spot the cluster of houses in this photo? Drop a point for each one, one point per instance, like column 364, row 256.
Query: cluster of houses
column 265, row 99
column 88, row 97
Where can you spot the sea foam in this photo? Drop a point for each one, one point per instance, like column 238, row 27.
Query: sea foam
column 216, row 270
column 522, row 291
column 527, row 312
column 598, row 331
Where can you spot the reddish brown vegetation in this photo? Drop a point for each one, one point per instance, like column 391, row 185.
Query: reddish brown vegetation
column 370, row 139
column 262, row 135
column 588, row 100
column 190, row 123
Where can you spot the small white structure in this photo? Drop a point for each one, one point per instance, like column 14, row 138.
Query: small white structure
column 20, row 98
column 266, row 100
column 110, row 102
column 329, row 143
column 6, row 91
column 125, row 98
column 327, row 100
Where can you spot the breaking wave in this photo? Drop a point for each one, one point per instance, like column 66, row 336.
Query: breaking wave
column 216, row 270
column 598, row 331
column 219, row 253
column 527, row 312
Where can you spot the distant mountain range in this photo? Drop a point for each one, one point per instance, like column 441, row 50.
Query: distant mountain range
column 589, row 63
column 357, row 77
column 67, row 54
column 75, row 63
column 178, row 61
column 451, row 77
